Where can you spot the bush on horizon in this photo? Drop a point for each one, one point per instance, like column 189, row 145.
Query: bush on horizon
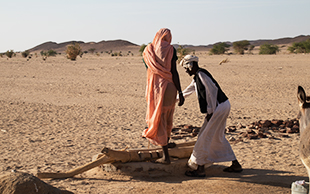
column 182, row 52
column 219, row 48
column 10, row 53
column 92, row 50
column 49, row 53
column 73, row 50
column 25, row 53
column 241, row 46
column 268, row 49
column 142, row 47
column 115, row 54
column 300, row 47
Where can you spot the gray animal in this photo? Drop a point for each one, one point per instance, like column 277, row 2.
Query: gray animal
column 304, row 126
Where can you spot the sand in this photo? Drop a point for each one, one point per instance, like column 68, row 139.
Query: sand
column 56, row 114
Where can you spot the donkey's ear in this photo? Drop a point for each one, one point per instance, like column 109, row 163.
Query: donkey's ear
column 301, row 95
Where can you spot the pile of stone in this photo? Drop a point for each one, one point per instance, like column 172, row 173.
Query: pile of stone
column 183, row 131
column 260, row 129
column 266, row 129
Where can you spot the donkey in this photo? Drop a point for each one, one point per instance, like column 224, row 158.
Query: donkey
column 304, row 126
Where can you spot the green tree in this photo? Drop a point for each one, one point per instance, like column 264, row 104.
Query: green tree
column 300, row 47
column 219, row 48
column 241, row 46
column 142, row 47
column 268, row 49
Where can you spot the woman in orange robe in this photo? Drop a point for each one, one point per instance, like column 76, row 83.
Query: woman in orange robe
column 161, row 90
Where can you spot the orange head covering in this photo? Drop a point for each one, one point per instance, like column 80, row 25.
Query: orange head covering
column 158, row 54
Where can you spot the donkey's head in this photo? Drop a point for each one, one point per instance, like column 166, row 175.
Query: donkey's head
column 304, row 106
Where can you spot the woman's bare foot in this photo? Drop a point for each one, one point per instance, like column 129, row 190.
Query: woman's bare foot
column 162, row 161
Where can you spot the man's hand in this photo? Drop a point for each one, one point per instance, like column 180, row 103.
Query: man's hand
column 208, row 117
column 181, row 99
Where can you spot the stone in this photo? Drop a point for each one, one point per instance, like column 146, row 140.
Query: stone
column 266, row 123
column 252, row 136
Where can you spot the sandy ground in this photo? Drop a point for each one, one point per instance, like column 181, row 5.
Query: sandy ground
column 56, row 114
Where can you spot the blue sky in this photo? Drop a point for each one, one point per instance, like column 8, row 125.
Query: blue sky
column 26, row 24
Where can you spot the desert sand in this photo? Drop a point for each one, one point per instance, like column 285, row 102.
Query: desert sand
column 56, row 114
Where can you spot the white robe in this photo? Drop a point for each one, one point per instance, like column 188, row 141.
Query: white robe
column 211, row 145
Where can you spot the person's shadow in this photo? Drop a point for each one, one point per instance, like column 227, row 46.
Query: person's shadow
column 255, row 176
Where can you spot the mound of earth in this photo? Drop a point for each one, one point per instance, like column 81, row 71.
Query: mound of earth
column 22, row 183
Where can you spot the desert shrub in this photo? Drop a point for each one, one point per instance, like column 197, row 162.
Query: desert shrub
column 268, row 49
column 219, row 48
column 142, row 47
column 129, row 53
column 10, row 53
column 73, row 50
column 182, row 52
column 51, row 53
column 92, row 50
column 43, row 53
column 241, row 46
column 25, row 53
column 116, row 54
column 300, row 47
column 1, row 55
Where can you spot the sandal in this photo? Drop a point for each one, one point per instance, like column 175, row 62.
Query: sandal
column 194, row 173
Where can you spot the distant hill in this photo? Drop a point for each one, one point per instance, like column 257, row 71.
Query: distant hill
column 102, row 46
column 124, row 46
column 280, row 41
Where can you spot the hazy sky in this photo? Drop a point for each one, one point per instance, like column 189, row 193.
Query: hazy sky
column 26, row 24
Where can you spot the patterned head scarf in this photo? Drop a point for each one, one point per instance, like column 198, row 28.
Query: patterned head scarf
column 187, row 61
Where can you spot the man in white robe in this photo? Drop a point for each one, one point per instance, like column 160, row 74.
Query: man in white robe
column 211, row 145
